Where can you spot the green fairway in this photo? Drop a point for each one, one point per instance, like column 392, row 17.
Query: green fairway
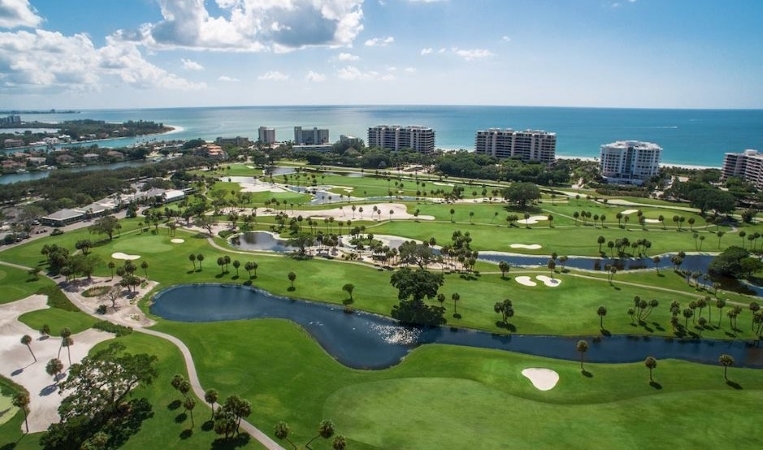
column 58, row 319
column 17, row 284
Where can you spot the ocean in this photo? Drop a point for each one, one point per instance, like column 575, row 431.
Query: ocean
column 688, row 137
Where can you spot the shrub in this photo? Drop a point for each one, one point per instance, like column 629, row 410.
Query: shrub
column 101, row 309
column 96, row 291
column 225, row 234
column 57, row 299
column 57, row 232
column 118, row 330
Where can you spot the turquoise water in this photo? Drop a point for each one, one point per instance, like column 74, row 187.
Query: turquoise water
column 698, row 137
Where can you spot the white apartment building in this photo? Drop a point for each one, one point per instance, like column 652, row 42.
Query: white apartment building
column 266, row 135
column 395, row 137
column 528, row 145
column 747, row 165
column 630, row 162
column 314, row 136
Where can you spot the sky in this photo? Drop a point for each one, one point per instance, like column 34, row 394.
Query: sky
column 179, row 53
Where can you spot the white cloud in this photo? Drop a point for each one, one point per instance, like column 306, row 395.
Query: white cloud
column 44, row 59
column 426, row 1
column 347, row 57
column 442, row 50
column 18, row 13
column 273, row 75
column 410, row 70
column 506, row 39
column 426, row 51
column 352, row 73
column 380, row 42
column 472, row 54
column 251, row 25
column 227, row 79
column 191, row 65
column 315, row 77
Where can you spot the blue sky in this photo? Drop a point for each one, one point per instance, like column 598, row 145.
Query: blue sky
column 166, row 53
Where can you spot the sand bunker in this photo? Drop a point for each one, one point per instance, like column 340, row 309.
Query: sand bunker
column 548, row 281
column 345, row 213
column 542, row 379
column 125, row 256
column 527, row 246
column 532, row 220
column 17, row 364
column 525, row 281
column 629, row 211
column 177, row 241
column 651, row 221
column 249, row 184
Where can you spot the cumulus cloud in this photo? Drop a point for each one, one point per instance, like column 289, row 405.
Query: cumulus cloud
column 250, row 25
column 227, row 79
column 347, row 57
column 506, row 39
column 380, row 42
column 273, row 75
column 18, row 13
column 315, row 77
column 472, row 54
column 191, row 65
column 426, row 51
column 352, row 73
column 45, row 59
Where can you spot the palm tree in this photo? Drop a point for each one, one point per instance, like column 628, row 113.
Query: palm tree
column 582, row 347
column 211, row 396
column 21, row 401
column 504, row 267
column 651, row 363
column 601, row 240
column 53, row 368
column 349, row 287
column 726, row 361
column 112, row 265
column 601, row 311
column 282, row 431
column 199, row 258
column 292, row 276
column 189, row 404
column 452, row 211
column 27, row 340
column 325, row 430
column 192, row 257
column 339, row 443
column 720, row 304
column 754, row 308
column 144, row 266
column 441, row 298
column 65, row 333
column 455, row 297
column 236, row 265
column 688, row 313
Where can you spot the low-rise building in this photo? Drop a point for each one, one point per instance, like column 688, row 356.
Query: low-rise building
column 237, row 141
column 63, row 217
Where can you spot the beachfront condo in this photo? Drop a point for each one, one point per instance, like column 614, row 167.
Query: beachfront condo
column 630, row 162
column 395, row 137
column 528, row 145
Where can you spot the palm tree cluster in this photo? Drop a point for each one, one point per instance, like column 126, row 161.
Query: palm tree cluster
column 459, row 250
column 638, row 247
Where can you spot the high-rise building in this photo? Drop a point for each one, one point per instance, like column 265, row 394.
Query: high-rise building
column 747, row 165
column 395, row 137
column 314, row 136
column 528, row 145
column 629, row 161
column 267, row 135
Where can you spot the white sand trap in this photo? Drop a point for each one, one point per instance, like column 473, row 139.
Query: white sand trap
column 400, row 212
column 532, row 220
column 16, row 362
column 651, row 221
column 525, row 281
column 548, row 281
column 125, row 256
column 527, row 246
column 249, row 184
column 542, row 379
column 629, row 211
column 442, row 184
column 177, row 241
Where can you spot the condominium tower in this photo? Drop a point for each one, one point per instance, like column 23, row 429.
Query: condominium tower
column 395, row 137
column 630, row 162
column 747, row 165
column 314, row 136
column 267, row 135
column 528, row 145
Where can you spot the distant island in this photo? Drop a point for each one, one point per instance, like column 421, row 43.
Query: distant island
column 35, row 111
column 76, row 131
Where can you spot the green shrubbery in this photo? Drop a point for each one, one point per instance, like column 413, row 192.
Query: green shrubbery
column 119, row 330
column 57, row 299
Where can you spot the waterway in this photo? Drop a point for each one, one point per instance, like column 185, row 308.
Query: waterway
column 38, row 175
column 367, row 341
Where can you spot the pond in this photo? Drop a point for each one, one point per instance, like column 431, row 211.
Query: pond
column 261, row 241
column 367, row 341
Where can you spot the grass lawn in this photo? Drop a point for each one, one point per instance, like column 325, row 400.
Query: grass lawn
column 58, row 319
column 439, row 395
column 17, row 284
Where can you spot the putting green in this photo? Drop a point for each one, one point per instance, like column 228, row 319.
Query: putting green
column 148, row 244
column 7, row 410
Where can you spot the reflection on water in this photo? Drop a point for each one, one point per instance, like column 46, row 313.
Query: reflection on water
column 368, row 341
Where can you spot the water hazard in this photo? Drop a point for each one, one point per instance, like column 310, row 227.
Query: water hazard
column 367, row 341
